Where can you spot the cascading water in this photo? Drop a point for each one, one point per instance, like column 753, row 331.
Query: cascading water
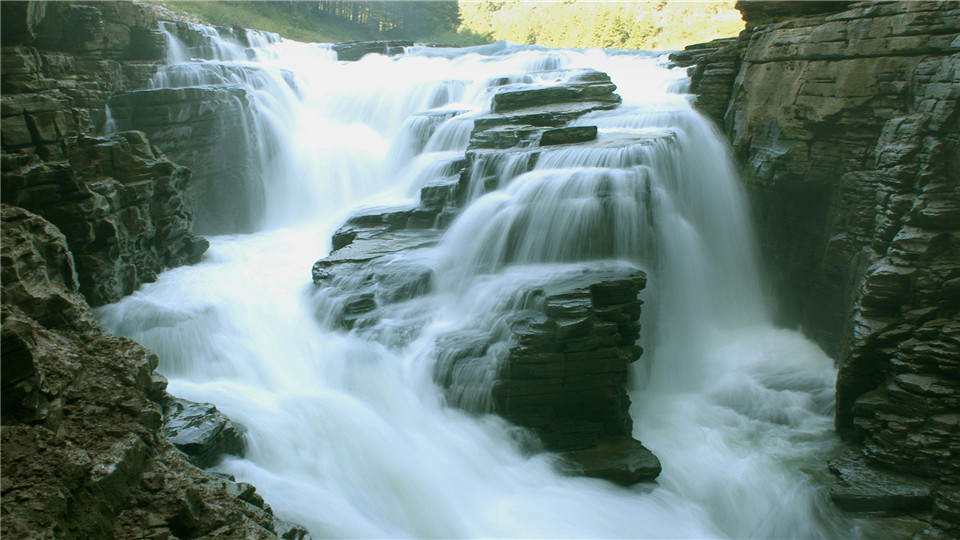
column 349, row 435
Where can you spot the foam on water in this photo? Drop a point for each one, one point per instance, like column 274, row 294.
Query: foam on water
column 349, row 435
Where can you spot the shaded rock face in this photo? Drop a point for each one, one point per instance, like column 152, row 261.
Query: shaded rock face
column 204, row 128
column 118, row 200
column 847, row 126
column 119, row 203
column 555, row 359
column 83, row 455
column 556, row 362
column 201, row 431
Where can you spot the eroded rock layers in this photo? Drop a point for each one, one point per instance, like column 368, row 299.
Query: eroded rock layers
column 116, row 197
column 93, row 446
column 846, row 123
column 555, row 358
column 83, row 454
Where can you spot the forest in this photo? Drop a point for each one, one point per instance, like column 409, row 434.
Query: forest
column 648, row 25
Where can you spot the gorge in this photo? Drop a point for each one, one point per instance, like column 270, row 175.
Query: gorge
column 544, row 290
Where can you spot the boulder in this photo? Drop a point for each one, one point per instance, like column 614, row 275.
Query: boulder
column 561, row 366
column 621, row 460
column 201, row 431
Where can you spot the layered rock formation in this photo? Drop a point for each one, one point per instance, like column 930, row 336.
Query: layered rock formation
column 556, row 360
column 86, row 424
column 117, row 198
column 846, row 124
column 83, row 455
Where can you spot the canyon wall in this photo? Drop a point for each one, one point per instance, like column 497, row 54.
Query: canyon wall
column 844, row 119
column 117, row 198
column 93, row 446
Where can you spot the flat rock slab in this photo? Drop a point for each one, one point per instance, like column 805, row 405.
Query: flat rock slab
column 862, row 488
column 201, row 431
column 621, row 460
column 352, row 51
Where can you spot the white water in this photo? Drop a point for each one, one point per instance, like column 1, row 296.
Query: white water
column 349, row 435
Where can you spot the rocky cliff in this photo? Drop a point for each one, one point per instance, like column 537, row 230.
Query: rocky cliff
column 116, row 197
column 844, row 119
column 93, row 447
column 83, row 455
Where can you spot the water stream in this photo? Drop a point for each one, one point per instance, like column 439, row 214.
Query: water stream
column 349, row 435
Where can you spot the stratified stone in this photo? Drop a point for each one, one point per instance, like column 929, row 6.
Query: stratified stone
column 201, row 431
column 861, row 488
column 118, row 202
column 844, row 121
column 621, row 460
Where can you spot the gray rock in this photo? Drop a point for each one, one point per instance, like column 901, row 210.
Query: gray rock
column 201, row 431
column 621, row 460
column 861, row 488
column 844, row 122
column 352, row 51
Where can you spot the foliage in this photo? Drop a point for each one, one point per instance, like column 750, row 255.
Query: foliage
column 650, row 25
column 332, row 21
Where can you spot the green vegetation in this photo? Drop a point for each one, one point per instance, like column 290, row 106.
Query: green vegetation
column 329, row 21
column 649, row 25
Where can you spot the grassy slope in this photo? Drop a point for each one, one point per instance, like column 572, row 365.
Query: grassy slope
column 263, row 16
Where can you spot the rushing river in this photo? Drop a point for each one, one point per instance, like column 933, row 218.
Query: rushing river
column 348, row 433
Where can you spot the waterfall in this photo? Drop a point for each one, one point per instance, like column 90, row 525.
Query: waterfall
column 348, row 433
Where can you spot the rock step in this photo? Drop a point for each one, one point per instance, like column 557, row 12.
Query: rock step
column 352, row 51
column 201, row 431
column 621, row 460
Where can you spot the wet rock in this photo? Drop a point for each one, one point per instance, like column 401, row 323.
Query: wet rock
column 287, row 530
column 860, row 229
column 562, row 367
column 118, row 202
column 861, row 488
column 203, row 128
column 589, row 86
column 568, row 135
column 621, row 460
column 355, row 50
column 83, row 454
column 201, row 431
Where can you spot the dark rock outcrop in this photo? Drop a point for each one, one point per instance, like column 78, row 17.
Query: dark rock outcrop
column 558, row 365
column 83, row 455
column 118, row 200
column 846, row 123
column 204, row 128
column 352, row 51
column 119, row 203
column 201, row 431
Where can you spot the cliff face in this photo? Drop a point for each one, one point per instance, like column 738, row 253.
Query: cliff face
column 847, row 128
column 88, row 449
column 83, row 455
column 117, row 198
